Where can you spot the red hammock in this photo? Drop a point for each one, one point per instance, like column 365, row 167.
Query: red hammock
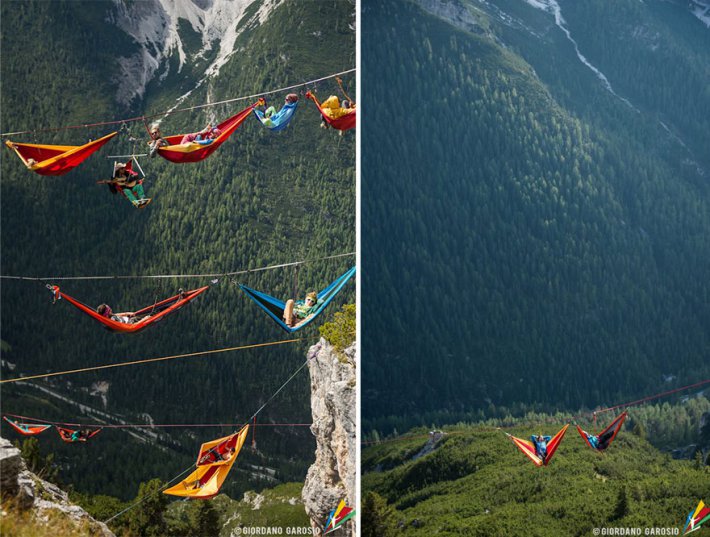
column 528, row 448
column 607, row 435
column 83, row 436
column 150, row 314
column 194, row 152
column 342, row 123
column 26, row 429
column 56, row 159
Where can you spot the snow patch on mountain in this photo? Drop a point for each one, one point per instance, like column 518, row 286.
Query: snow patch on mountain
column 154, row 26
column 701, row 9
column 508, row 19
column 551, row 6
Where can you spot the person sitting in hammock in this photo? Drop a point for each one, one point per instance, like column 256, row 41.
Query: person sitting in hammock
column 271, row 110
column 333, row 108
column 295, row 312
column 156, row 140
column 126, row 318
column 204, row 137
column 540, row 443
column 602, row 441
column 79, row 435
column 126, row 181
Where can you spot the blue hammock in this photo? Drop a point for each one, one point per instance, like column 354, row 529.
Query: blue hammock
column 275, row 307
column 278, row 121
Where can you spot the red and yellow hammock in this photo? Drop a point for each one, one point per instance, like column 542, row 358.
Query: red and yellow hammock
column 149, row 315
column 56, row 159
column 195, row 152
column 26, row 429
column 528, row 448
column 214, row 462
column 342, row 123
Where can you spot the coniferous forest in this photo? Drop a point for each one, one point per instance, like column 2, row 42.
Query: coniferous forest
column 261, row 199
column 542, row 239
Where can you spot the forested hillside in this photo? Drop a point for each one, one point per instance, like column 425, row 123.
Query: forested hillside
column 542, row 237
column 472, row 480
column 261, row 199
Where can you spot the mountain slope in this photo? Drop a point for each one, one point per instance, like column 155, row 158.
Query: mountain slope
column 540, row 244
column 475, row 482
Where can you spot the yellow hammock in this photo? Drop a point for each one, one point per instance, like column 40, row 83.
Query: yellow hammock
column 213, row 464
column 56, row 159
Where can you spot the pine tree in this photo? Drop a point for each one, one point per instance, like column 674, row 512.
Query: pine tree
column 149, row 517
column 639, row 430
column 377, row 517
column 622, row 505
column 44, row 467
column 206, row 520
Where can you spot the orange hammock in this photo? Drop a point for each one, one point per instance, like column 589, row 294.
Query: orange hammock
column 138, row 320
column 342, row 123
column 195, row 152
column 26, row 429
column 528, row 448
column 214, row 462
column 76, row 435
column 56, row 159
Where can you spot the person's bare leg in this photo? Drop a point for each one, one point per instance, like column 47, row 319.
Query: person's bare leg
column 288, row 313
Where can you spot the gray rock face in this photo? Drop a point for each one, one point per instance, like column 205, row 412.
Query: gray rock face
column 333, row 405
column 31, row 492
column 11, row 464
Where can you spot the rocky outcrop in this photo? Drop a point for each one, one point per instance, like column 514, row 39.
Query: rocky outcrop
column 431, row 445
column 28, row 491
column 333, row 405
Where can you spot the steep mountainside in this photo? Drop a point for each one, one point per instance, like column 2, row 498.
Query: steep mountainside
column 261, row 199
column 542, row 205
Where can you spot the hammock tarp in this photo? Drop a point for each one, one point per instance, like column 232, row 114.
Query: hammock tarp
column 278, row 121
column 56, row 159
column 214, row 462
column 342, row 123
column 146, row 316
column 606, row 437
column 528, row 448
column 76, row 435
column 195, row 152
column 26, row 429
column 275, row 307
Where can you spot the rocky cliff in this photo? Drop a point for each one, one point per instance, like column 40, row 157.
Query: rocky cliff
column 333, row 402
column 47, row 502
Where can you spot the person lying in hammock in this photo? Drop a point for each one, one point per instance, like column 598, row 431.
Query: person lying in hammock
column 156, row 140
column 204, row 137
column 298, row 311
column 540, row 443
column 213, row 456
column 126, row 181
column 80, row 435
column 125, row 318
column 602, row 441
column 271, row 110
